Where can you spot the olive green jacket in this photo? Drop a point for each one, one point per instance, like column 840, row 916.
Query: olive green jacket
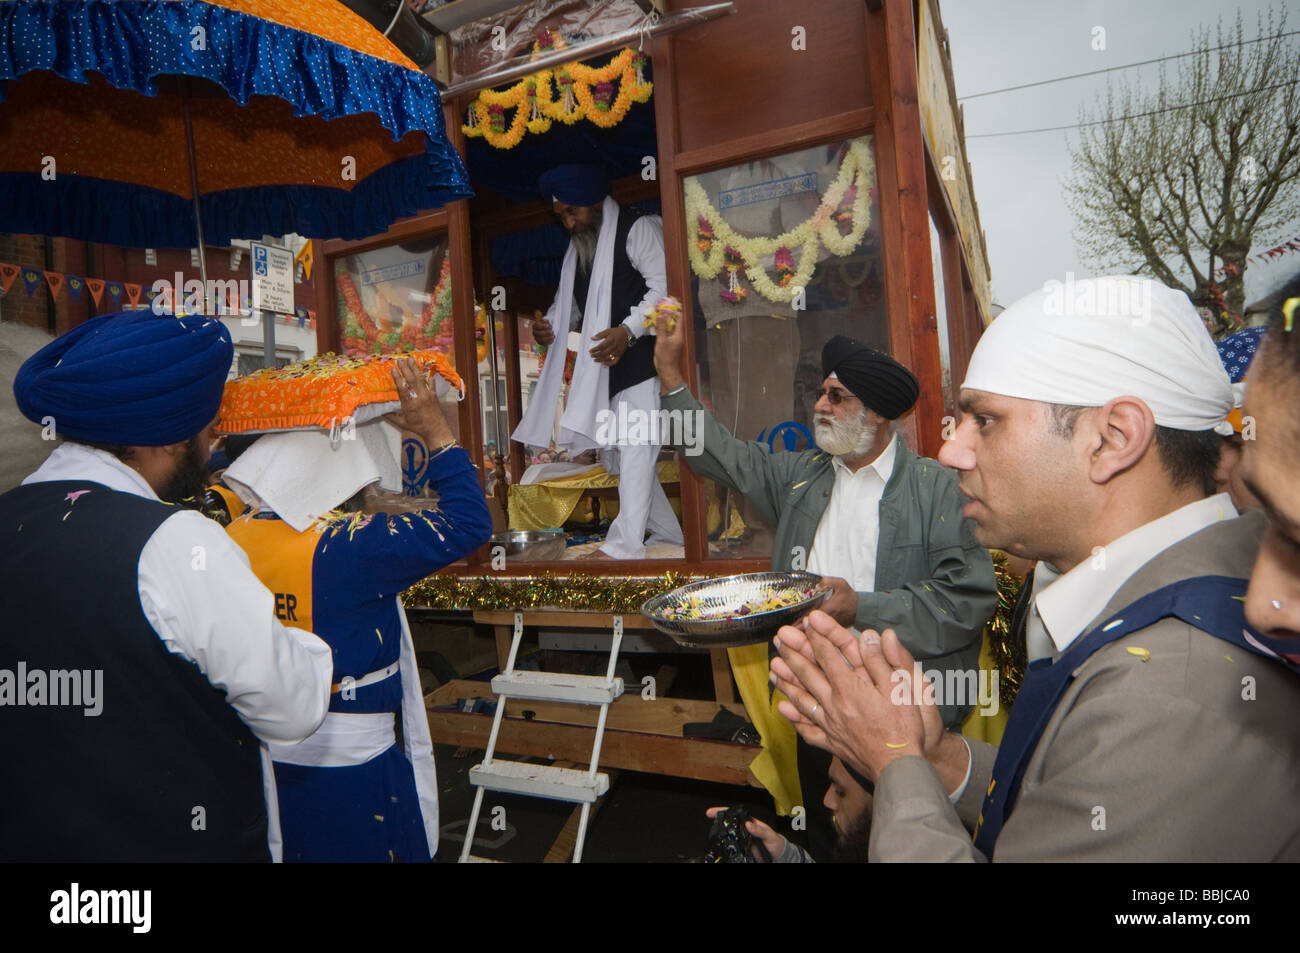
column 934, row 582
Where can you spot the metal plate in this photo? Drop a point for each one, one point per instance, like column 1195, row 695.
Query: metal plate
column 732, row 592
column 531, row 546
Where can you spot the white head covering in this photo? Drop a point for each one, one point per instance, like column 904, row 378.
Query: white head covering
column 301, row 474
column 1086, row 342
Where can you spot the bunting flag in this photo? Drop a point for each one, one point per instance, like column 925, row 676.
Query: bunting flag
column 57, row 281
column 304, row 258
column 1263, row 257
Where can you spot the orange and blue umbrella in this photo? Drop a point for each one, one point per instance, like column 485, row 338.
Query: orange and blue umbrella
column 291, row 116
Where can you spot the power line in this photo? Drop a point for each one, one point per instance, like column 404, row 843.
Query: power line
column 1152, row 112
column 1111, row 69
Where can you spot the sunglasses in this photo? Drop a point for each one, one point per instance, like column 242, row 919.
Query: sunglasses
column 836, row 397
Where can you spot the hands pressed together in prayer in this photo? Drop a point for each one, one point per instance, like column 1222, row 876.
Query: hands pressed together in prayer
column 855, row 697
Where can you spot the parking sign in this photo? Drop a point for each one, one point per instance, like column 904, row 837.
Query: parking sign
column 272, row 278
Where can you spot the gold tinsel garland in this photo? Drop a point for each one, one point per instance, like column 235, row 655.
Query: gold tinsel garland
column 1008, row 653
column 582, row 592
column 575, row 592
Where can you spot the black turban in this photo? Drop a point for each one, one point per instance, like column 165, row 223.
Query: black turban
column 876, row 379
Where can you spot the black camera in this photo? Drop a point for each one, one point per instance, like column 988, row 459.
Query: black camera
column 730, row 842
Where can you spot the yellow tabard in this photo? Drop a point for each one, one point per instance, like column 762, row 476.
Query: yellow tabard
column 282, row 558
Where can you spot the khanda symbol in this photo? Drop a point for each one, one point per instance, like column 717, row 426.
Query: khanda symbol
column 415, row 461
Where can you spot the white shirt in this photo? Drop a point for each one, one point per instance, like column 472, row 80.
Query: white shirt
column 849, row 531
column 1065, row 604
column 199, row 594
column 849, row 534
column 645, row 250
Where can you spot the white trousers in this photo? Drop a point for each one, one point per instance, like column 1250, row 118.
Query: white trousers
column 642, row 504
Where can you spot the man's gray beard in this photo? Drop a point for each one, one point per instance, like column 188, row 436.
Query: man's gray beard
column 850, row 439
column 584, row 243
column 584, row 240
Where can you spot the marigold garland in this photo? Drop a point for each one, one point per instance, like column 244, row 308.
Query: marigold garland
column 712, row 244
column 584, row 92
column 481, row 333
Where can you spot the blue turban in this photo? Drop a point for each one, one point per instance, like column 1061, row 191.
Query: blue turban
column 134, row 378
column 575, row 184
column 1237, row 350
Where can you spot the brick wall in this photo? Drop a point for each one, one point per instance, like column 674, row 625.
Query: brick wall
column 26, row 251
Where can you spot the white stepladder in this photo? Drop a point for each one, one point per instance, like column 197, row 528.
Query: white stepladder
column 537, row 780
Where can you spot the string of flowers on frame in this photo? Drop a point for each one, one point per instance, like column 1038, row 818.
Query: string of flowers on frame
column 573, row 92
column 713, row 245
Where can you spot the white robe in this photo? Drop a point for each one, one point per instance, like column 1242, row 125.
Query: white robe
column 589, row 390
column 642, row 502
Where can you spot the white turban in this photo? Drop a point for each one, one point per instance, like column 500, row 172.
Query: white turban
column 1086, row 342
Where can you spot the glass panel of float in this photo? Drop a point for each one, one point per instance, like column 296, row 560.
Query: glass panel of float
column 784, row 254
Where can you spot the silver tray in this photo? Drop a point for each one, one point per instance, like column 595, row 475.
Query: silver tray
column 733, row 591
column 531, row 545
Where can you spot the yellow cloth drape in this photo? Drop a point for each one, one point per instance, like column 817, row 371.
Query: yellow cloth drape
column 775, row 767
column 549, row 505
column 982, row 727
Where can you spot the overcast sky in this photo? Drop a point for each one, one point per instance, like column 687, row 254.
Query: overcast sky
column 1000, row 43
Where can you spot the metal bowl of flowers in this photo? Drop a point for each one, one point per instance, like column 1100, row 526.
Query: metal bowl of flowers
column 735, row 610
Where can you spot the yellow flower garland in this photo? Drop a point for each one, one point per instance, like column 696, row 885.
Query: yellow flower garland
column 818, row 230
column 631, row 88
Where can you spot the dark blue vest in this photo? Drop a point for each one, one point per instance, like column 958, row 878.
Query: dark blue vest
column 166, row 771
column 1213, row 604
column 627, row 289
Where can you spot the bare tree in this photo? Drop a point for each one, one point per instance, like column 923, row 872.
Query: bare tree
column 1181, row 181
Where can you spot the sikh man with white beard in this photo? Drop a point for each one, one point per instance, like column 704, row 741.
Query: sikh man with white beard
column 882, row 525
